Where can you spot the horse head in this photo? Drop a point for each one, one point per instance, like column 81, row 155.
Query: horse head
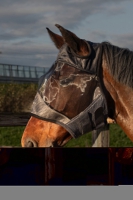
column 79, row 92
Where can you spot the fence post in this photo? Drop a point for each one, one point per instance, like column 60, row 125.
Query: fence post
column 53, row 164
column 100, row 138
column 49, row 164
column 111, row 159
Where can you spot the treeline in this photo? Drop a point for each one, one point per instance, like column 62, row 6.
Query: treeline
column 16, row 98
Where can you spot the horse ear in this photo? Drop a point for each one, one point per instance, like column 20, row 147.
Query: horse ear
column 57, row 39
column 78, row 45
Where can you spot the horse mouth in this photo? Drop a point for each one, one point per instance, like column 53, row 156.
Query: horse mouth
column 32, row 143
column 62, row 143
column 55, row 144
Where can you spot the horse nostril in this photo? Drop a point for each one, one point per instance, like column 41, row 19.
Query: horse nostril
column 31, row 143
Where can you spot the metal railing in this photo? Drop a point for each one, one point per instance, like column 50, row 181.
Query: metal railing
column 20, row 73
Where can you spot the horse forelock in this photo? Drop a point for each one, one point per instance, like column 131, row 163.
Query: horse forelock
column 120, row 63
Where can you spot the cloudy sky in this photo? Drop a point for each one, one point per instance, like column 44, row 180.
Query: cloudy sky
column 23, row 35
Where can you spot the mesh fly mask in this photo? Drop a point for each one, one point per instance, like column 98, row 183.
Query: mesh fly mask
column 76, row 79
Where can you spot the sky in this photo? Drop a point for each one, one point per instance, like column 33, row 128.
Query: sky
column 24, row 39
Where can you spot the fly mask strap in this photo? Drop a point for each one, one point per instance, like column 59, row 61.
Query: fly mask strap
column 89, row 119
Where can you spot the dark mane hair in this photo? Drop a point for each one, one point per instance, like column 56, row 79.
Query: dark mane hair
column 120, row 63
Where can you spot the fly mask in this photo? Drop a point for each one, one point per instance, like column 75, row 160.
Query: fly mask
column 73, row 82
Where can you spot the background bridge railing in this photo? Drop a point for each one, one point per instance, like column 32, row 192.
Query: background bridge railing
column 19, row 73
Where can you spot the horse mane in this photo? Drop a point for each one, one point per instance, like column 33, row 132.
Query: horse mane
column 120, row 63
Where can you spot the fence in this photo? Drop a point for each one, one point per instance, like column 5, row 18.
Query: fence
column 54, row 161
column 9, row 119
column 100, row 138
column 20, row 73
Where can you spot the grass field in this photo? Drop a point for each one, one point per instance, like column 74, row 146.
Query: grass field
column 11, row 136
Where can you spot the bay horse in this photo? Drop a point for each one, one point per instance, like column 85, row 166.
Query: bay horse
column 115, row 74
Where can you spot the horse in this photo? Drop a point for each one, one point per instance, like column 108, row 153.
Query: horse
column 60, row 109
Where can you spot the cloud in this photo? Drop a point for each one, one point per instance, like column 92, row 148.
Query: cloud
column 123, row 40
column 29, row 18
column 28, row 53
column 23, row 35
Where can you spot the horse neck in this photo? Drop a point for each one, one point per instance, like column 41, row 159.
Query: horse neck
column 119, row 96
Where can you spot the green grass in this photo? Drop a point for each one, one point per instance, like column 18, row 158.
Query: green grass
column 11, row 136
column 117, row 139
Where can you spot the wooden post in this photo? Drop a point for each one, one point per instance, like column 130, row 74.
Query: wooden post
column 53, row 164
column 59, row 163
column 49, row 164
column 100, row 138
column 111, row 161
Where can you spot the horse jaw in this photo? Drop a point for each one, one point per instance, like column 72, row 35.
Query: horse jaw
column 40, row 133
